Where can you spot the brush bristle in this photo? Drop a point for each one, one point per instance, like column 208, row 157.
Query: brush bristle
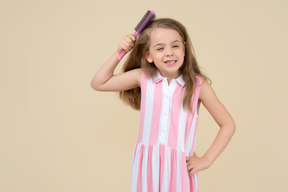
column 148, row 17
column 142, row 20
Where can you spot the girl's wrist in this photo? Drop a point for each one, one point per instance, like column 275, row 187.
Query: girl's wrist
column 118, row 51
column 208, row 159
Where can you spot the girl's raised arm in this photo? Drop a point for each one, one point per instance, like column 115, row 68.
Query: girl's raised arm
column 106, row 80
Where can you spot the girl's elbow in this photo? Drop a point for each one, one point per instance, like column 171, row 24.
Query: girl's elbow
column 233, row 127
column 95, row 86
column 230, row 127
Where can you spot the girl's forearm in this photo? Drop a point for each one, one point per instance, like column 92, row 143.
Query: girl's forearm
column 105, row 72
column 221, row 141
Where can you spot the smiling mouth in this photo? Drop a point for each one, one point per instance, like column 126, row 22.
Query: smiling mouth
column 170, row 62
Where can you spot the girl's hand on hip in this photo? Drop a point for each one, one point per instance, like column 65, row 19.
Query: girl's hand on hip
column 196, row 164
column 127, row 43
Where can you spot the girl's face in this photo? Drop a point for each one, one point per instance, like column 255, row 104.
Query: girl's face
column 167, row 51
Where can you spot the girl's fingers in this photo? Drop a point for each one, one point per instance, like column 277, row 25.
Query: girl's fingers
column 125, row 45
column 192, row 172
column 130, row 39
column 190, row 167
column 131, row 36
column 127, row 42
column 192, row 164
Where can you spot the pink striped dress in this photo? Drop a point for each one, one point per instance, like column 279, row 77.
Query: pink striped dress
column 166, row 136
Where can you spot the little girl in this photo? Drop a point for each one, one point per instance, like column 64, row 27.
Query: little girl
column 162, row 79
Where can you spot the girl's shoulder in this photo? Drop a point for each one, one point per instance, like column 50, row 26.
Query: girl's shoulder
column 131, row 77
column 204, row 85
column 199, row 77
column 206, row 90
column 139, row 71
column 139, row 74
column 146, row 74
column 200, row 80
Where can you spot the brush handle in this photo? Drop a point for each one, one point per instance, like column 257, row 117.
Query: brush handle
column 123, row 52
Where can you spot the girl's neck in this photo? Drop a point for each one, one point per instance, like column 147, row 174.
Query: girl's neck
column 170, row 76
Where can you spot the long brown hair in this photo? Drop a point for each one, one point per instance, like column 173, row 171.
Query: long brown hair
column 137, row 59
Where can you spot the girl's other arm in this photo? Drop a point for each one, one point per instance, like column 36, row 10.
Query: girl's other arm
column 226, row 131
column 105, row 80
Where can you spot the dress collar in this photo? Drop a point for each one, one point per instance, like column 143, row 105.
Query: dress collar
column 158, row 78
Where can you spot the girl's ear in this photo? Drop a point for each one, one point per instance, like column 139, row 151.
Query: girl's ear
column 148, row 57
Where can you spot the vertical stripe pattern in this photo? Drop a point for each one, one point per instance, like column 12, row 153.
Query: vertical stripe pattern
column 167, row 134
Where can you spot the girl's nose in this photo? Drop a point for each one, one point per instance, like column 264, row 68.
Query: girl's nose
column 169, row 52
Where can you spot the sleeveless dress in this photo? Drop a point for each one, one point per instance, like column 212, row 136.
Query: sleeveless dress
column 166, row 136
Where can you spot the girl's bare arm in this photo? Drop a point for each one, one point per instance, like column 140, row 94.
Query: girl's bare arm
column 226, row 131
column 106, row 80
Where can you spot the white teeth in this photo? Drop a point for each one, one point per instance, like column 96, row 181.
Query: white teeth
column 170, row 62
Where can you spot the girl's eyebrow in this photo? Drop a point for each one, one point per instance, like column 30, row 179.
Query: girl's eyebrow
column 158, row 44
column 176, row 41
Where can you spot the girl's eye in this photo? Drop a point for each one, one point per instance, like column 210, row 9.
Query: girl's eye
column 160, row 49
column 175, row 46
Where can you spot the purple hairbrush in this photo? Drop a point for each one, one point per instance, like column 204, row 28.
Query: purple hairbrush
column 149, row 16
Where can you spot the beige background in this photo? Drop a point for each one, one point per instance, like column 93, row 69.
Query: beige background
column 59, row 135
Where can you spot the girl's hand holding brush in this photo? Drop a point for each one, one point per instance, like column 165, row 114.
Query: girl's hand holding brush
column 126, row 43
